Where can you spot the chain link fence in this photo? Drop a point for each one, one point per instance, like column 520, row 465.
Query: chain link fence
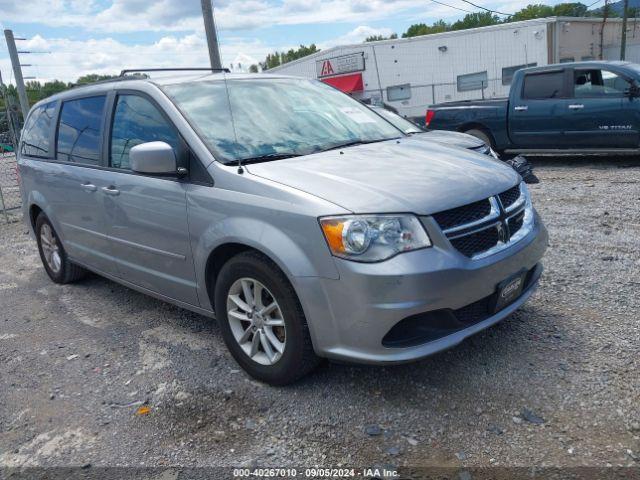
column 10, row 198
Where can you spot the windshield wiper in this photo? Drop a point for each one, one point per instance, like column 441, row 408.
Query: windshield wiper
column 268, row 157
column 352, row 143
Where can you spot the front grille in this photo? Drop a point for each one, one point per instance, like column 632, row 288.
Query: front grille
column 510, row 197
column 478, row 242
column 462, row 215
column 474, row 312
column 515, row 223
column 478, row 227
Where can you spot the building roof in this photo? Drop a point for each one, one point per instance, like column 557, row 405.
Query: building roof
column 442, row 35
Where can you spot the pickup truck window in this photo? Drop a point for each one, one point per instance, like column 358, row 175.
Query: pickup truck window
column 540, row 86
column 598, row 83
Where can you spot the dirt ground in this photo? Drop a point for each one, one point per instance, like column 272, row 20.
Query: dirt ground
column 555, row 385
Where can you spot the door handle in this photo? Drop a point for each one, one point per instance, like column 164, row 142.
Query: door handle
column 521, row 108
column 576, row 106
column 111, row 190
column 89, row 187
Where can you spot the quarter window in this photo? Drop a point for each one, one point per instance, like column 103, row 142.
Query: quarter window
column 79, row 130
column 136, row 120
column 35, row 134
column 543, row 85
column 473, row 81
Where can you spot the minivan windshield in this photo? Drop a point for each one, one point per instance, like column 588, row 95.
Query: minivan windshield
column 271, row 118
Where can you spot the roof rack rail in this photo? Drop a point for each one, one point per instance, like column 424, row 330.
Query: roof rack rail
column 181, row 69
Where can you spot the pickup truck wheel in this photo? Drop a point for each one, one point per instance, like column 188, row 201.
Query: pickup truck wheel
column 54, row 258
column 481, row 135
column 261, row 320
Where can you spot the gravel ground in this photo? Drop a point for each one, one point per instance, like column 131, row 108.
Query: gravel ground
column 556, row 384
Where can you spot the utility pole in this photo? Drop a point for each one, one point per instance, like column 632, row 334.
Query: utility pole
column 212, row 36
column 17, row 72
column 623, row 40
column 605, row 14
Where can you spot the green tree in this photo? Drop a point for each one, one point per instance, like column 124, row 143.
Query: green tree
column 532, row 11
column 253, row 69
column 275, row 59
column 570, row 10
column 475, row 20
column 377, row 38
column 92, row 77
column 418, row 29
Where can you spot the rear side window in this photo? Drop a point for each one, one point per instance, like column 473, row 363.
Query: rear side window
column 79, row 130
column 136, row 120
column 35, row 134
column 543, row 85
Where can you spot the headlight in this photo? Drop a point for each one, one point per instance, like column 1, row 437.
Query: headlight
column 372, row 238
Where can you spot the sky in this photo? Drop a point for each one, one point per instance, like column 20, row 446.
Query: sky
column 69, row 38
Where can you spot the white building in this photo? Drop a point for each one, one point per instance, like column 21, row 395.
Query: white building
column 412, row 73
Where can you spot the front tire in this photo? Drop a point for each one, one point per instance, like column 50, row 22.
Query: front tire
column 53, row 255
column 261, row 320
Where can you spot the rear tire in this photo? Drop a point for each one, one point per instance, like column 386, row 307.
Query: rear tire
column 273, row 347
column 53, row 255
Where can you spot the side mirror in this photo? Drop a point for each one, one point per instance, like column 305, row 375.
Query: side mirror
column 153, row 157
column 633, row 91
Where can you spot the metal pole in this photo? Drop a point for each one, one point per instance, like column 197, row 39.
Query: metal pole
column 605, row 13
column 210, row 30
column 17, row 72
column 623, row 40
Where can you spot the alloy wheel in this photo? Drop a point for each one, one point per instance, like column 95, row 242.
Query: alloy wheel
column 50, row 248
column 256, row 321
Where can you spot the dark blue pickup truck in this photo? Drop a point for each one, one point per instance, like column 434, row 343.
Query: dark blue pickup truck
column 583, row 107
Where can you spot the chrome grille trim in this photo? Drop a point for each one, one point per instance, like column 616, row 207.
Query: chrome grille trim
column 500, row 219
column 494, row 214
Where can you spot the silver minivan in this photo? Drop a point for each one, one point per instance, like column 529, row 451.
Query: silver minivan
column 305, row 223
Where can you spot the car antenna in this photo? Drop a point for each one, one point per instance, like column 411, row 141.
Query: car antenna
column 233, row 124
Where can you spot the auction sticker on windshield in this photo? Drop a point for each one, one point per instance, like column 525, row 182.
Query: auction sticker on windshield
column 356, row 115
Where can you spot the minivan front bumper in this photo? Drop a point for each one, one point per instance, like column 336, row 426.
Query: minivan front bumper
column 350, row 317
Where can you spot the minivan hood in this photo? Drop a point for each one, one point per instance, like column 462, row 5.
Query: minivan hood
column 407, row 175
column 453, row 139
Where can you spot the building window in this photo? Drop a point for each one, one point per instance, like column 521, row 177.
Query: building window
column 399, row 92
column 473, row 81
column 587, row 58
column 567, row 60
column 508, row 72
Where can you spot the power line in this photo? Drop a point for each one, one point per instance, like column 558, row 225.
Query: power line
column 451, row 6
column 488, row 9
